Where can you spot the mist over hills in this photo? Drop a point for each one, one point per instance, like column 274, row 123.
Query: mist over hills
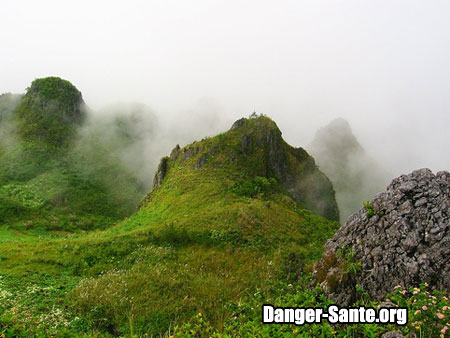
column 126, row 133
column 167, row 168
column 8, row 102
column 90, row 247
column 51, row 140
column 221, row 208
column 60, row 172
column 256, row 149
column 119, row 146
column 356, row 176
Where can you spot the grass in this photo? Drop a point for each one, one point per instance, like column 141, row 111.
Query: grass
column 198, row 241
column 204, row 251
column 36, row 306
column 245, row 317
column 50, row 190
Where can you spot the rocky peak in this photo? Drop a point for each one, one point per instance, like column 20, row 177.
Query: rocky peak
column 401, row 237
column 255, row 147
column 161, row 172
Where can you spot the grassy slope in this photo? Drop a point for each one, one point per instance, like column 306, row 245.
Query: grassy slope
column 47, row 185
column 197, row 243
column 205, row 249
column 44, row 190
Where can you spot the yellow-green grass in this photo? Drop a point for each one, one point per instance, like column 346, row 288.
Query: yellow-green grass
column 195, row 246
column 207, row 236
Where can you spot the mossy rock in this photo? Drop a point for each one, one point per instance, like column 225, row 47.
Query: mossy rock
column 50, row 111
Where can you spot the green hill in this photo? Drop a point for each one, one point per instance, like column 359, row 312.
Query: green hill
column 226, row 217
column 255, row 158
column 232, row 222
column 226, row 228
column 355, row 175
column 50, row 111
column 50, row 182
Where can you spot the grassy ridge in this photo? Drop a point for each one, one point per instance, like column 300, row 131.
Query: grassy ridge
column 219, row 236
column 208, row 260
column 207, row 236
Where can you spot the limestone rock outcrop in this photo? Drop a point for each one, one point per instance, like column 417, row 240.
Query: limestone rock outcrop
column 401, row 237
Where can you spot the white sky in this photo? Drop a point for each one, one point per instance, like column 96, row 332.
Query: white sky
column 382, row 64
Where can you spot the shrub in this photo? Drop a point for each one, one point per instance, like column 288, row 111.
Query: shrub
column 257, row 186
column 369, row 209
column 337, row 269
column 428, row 312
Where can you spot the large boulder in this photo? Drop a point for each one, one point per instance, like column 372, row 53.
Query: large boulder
column 401, row 238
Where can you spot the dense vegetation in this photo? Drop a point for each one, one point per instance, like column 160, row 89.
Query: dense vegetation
column 50, row 112
column 428, row 314
column 205, row 237
column 218, row 237
column 51, row 182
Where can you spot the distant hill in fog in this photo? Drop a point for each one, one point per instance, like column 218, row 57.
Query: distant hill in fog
column 355, row 175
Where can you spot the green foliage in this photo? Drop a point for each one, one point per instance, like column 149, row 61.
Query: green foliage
column 337, row 269
column 55, row 88
column 176, row 282
column 10, row 209
column 59, row 198
column 428, row 312
column 245, row 315
column 201, row 255
column 50, row 112
column 196, row 243
column 256, row 186
column 214, row 246
column 37, row 307
column 369, row 209
column 44, row 183
column 370, row 212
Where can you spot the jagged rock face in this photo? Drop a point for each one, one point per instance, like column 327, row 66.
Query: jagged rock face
column 255, row 147
column 402, row 238
column 161, row 172
column 294, row 167
column 50, row 111
column 356, row 176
